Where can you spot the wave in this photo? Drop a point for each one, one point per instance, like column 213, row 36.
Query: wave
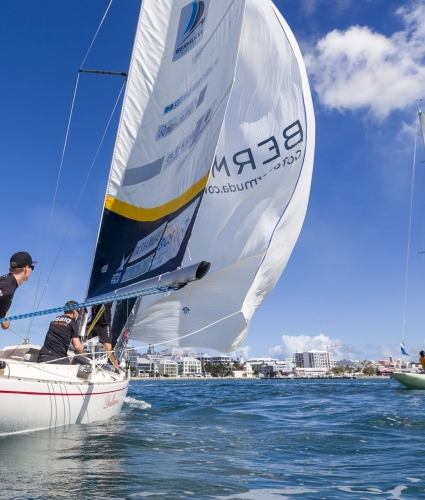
column 137, row 403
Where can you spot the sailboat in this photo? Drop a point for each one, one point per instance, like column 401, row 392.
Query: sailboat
column 207, row 193
column 412, row 380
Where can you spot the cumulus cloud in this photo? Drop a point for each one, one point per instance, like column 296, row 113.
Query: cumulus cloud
column 293, row 343
column 242, row 352
column 362, row 69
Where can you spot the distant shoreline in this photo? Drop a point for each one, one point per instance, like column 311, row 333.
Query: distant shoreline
column 204, row 379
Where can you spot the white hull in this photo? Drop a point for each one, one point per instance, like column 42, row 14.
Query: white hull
column 410, row 380
column 40, row 396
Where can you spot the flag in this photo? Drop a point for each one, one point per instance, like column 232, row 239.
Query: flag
column 403, row 351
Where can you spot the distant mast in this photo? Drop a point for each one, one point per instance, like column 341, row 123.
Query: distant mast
column 422, row 122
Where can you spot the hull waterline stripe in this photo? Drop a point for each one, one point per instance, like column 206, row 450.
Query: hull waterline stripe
column 25, row 393
column 152, row 214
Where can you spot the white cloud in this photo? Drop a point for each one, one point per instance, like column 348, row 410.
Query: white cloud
column 359, row 68
column 293, row 343
column 242, row 352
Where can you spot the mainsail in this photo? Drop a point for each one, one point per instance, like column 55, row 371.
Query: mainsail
column 181, row 73
column 181, row 191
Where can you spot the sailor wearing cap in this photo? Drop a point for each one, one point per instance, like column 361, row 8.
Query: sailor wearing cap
column 21, row 267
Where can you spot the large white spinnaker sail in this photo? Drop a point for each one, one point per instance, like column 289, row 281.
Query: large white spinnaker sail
column 256, row 197
column 180, row 77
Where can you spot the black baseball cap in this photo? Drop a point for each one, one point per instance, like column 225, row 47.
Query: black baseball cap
column 21, row 259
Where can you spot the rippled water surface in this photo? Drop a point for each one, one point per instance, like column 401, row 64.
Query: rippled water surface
column 217, row 439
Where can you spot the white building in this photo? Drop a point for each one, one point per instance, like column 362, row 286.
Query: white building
column 203, row 357
column 189, row 353
column 188, row 366
column 220, row 359
column 146, row 366
column 313, row 359
column 246, row 372
column 167, row 367
column 310, row 372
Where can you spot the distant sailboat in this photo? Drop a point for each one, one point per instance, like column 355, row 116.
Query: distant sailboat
column 212, row 164
column 412, row 380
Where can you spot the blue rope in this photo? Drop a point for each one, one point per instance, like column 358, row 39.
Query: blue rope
column 94, row 302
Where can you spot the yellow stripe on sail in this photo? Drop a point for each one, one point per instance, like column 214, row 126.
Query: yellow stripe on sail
column 152, row 214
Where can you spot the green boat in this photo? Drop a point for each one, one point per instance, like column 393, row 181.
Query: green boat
column 410, row 380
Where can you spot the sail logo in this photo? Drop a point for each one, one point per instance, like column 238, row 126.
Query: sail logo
column 116, row 278
column 173, row 105
column 169, row 127
column 148, row 243
column 138, row 269
column 191, row 139
column 191, row 27
column 174, row 235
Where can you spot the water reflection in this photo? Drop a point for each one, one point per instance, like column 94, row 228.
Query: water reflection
column 64, row 461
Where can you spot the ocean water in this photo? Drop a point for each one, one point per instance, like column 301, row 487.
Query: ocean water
column 219, row 439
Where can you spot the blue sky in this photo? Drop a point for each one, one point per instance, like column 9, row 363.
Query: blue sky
column 345, row 281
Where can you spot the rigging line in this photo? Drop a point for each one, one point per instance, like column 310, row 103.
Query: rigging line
column 92, row 302
column 95, row 35
column 60, row 170
column 54, row 200
column 409, row 233
column 82, row 191
column 13, row 331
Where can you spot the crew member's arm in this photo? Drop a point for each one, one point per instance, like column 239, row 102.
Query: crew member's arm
column 6, row 293
column 78, row 346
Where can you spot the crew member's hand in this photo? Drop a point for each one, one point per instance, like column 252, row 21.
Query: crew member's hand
column 5, row 325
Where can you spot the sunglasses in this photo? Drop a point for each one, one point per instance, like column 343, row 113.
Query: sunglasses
column 32, row 268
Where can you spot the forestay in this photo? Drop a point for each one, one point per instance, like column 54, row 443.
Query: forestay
column 256, row 198
column 181, row 73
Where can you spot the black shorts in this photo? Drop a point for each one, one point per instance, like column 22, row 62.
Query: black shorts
column 103, row 332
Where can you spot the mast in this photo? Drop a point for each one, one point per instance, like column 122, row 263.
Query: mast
column 422, row 123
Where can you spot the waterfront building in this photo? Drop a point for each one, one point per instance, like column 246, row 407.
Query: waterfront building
column 168, row 368
column 350, row 363
column 256, row 363
column 310, row 372
column 203, row 357
column 289, row 365
column 246, row 372
column 189, row 353
column 188, row 366
column 146, row 366
column 220, row 359
column 131, row 356
column 94, row 347
column 313, row 359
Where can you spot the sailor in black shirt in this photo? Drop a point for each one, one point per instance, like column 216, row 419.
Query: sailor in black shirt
column 21, row 267
column 62, row 330
column 103, row 329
